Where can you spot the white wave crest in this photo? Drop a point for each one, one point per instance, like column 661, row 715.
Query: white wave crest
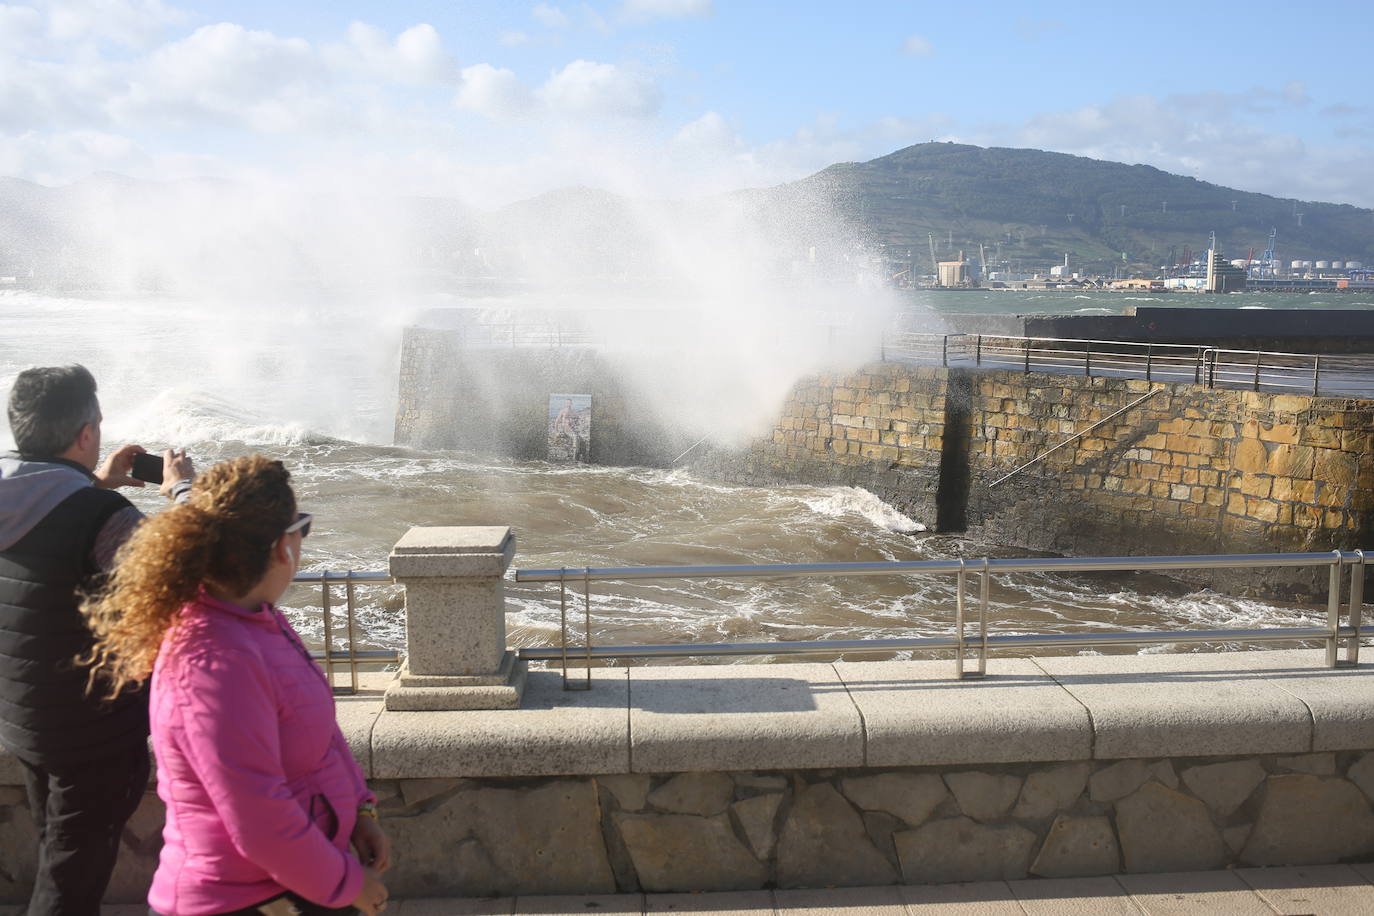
column 841, row 501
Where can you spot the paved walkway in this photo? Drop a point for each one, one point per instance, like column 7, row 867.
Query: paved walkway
column 1320, row 890
column 1326, row 890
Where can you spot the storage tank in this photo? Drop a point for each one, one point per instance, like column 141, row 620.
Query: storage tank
column 1296, row 265
column 1338, row 265
column 1354, row 265
column 1323, row 265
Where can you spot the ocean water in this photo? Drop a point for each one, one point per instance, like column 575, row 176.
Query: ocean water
column 314, row 382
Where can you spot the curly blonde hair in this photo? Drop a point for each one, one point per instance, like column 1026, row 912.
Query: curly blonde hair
column 221, row 536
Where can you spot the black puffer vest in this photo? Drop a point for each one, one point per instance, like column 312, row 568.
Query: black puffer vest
column 46, row 717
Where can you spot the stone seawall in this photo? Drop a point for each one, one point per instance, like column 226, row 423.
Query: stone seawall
column 810, row 775
column 1190, row 470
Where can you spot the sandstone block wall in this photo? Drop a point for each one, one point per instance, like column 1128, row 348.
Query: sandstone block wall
column 816, row 828
column 1190, row 470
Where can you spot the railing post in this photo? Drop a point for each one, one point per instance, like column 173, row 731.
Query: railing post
column 1088, row 361
column 1316, row 375
column 978, row 352
column 456, row 655
column 944, row 350
column 1197, row 367
column 1149, row 359
column 961, row 587
column 1026, row 344
column 1257, row 369
column 327, row 620
column 1356, row 612
column 1333, row 610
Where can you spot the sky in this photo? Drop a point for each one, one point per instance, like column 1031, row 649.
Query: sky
column 491, row 102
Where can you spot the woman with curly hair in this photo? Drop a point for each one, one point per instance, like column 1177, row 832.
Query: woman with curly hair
column 263, row 797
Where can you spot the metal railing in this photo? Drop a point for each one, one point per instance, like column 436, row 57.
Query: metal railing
column 328, row 657
column 1258, row 370
column 1333, row 633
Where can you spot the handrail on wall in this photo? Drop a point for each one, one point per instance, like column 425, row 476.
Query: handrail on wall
column 1213, row 367
column 1333, row 634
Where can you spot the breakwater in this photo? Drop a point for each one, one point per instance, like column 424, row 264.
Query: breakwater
column 1187, row 470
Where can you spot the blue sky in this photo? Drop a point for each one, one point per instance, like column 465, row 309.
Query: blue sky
column 491, row 102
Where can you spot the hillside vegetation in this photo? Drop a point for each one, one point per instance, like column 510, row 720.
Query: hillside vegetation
column 1039, row 205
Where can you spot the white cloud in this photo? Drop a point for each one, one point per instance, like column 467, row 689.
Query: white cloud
column 665, row 9
column 917, row 46
column 709, row 132
column 514, row 39
column 226, row 73
column 1209, row 136
column 417, row 57
column 492, row 92
column 135, row 23
column 20, row 27
column 59, row 158
column 585, row 87
column 551, row 17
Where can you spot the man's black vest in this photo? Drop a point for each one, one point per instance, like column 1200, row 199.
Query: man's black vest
column 46, row 716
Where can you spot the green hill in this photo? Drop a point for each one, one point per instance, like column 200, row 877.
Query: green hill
column 1039, row 205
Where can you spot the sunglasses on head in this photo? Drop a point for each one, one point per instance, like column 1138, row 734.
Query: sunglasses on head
column 301, row 524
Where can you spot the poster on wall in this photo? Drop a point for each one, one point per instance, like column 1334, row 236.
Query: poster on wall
column 570, row 428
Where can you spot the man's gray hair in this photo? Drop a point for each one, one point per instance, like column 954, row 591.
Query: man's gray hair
column 48, row 407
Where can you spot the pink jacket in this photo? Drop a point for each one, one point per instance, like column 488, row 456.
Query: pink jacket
column 261, row 791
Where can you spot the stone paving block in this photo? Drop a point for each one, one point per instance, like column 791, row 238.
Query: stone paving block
column 1328, row 890
column 554, row 733
column 742, row 717
column 733, row 903
column 574, row 905
column 978, row 898
column 1186, row 705
column 456, row 906
column 1190, row 893
column 1073, row 896
column 840, row 901
column 1365, row 870
column 916, row 714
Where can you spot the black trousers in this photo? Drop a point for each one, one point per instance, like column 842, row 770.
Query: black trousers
column 80, row 811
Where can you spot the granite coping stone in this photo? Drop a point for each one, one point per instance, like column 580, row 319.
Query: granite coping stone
column 1185, row 705
column 357, row 714
column 742, row 717
column 556, row 732
column 916, row 714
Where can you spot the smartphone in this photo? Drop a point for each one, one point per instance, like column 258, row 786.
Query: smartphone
column 148, row 468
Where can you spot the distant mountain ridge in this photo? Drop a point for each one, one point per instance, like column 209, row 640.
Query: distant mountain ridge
column 1040, row 205
column 1028, row 208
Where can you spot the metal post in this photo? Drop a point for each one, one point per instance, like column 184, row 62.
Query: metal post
column 587, row 626
column 978, row 352
column 1333, row 609
column 983, row 588
column 352, row 639
column 1257, row 370
column 563, row 622
column 944, row 350
column 1149, row 358
column 328, row 630
column 1352, row 645
column 1197, row 367
column 1026, row 344
column 1088, row 361
column 1316, row 375
column 961, row 582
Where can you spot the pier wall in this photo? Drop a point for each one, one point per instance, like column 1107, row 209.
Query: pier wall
column 494, row 400
column 1190, row 470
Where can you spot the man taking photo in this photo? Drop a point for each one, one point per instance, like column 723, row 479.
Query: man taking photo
column 85, row 759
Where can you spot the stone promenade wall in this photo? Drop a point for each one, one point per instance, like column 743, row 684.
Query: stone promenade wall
column 805, row 775
column 1190, row 470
